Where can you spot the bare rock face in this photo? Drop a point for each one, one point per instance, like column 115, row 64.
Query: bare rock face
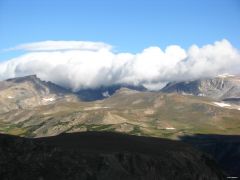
column 219, row 88
column 103, row 156
column 29, row 91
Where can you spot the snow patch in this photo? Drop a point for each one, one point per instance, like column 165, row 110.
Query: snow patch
column 105, row 107
column 95, row 108
column 222, row 104
column 10, row 97
column 187, row 94
column 48, row 99
column 170, row 128
column 225, row 75
column 106, row 94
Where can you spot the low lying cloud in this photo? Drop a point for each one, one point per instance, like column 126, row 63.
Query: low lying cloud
column 79, row 65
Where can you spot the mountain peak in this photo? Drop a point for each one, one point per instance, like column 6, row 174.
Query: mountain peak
column 28, row 92
column 221, row 87
column 23, row 78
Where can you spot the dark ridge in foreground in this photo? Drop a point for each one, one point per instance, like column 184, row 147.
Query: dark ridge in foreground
column 102, row 156
column 225, row 149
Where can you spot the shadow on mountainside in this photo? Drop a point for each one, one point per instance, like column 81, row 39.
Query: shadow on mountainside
column 102, row 156
column 225, row 149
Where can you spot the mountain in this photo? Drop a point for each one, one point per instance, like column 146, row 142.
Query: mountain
column 34, row 108
column 104, row 91
column 28, row 92
column 129, row 111
column 223, row 87
column 99, row 155
column 25, row 113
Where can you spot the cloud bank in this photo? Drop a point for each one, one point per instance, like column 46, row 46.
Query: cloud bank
column 80, row 65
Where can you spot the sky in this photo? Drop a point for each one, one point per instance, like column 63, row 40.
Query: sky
column 109, row 30
column 128, row 25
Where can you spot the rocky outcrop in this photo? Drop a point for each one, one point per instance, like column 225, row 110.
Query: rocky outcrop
column 219, row 88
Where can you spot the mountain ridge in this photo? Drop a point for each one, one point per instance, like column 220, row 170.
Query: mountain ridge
column 219, row 88
column 103, row 155
column 30, row 91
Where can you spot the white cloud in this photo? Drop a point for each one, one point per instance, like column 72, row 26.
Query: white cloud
column 62, row 45
column 78, row 64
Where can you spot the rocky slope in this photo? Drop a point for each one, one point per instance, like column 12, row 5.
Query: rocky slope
column 28, row 92
column 103, row 156
column 224, row 87
column 129, row 111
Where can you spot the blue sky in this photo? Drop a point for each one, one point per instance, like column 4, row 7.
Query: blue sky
column 128, row 25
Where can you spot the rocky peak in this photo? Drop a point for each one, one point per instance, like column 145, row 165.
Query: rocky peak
column 27, row 92
column 220, row 87
column 23, row 79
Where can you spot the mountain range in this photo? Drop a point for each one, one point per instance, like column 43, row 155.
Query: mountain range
column 33, row 108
